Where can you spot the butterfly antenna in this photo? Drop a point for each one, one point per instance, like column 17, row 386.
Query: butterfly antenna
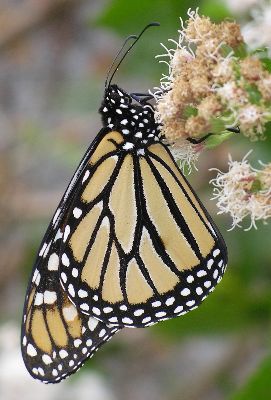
column 117, row 56
column 128, row 50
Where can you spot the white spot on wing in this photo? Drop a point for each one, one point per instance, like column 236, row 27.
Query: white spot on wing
column 85, row 176
column 64, row 277
column 46, row 359
column 215, row 274
column 71, row 290
column 58, row 235
column 77, row 212
column 185, row 292
column 63, row 353
column 53, row 262
column 65, row 260
column 31, row 351
column 113, row 319
column 170, row 301
column 84, row 306
column 210, row 263
column 96, row 311
column 82, row 293
column 92, row 323
column 55, row 219
column 77, row 342
column 216, row 252
column 127, row 320
column 41, row 371
column 199, row 291
column 38, row 299
column 70, row 313
column 36, row 277
column 160, row 314
column 128, row 146
column 66, row 233
column 102, row 333
column 138, row 312
column 42, row 250
column 49, row 297
column 47, row 249
column 201, row 273
column 107, row 310
column 146, row 319
column 75, row 272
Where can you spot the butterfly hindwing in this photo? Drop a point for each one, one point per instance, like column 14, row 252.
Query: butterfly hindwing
column 56, row 338
column 144, row 248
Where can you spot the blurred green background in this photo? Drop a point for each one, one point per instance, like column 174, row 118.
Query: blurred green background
column 53, row 64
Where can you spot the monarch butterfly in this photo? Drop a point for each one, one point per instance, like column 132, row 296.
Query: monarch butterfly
column 130, row 244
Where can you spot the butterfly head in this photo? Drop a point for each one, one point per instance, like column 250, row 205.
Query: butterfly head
column 121, row 112
column 115, row 99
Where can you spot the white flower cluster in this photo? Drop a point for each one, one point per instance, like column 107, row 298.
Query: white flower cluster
column 257, row 33
column 233, row 191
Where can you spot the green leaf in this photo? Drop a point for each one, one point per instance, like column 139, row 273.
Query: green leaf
column 241, row 51
column 254, row 93
column 225, row 50
column 216, row 140
column 256, row 186
column 267, row 128
column 217, row 125
column 214, row 9
column 267, row 63
column 259, row 385
column 190, row 111
column 129, row 17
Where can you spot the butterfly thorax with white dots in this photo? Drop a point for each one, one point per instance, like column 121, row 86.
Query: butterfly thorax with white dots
column 135, row 121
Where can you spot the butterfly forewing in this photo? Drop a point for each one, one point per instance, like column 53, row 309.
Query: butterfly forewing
column 143, row 249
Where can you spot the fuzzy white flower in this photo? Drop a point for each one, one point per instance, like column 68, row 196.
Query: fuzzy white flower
column 186, row 154
column 228, row 91
column 233, row 191
column 257, row 33
column 242, row 6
